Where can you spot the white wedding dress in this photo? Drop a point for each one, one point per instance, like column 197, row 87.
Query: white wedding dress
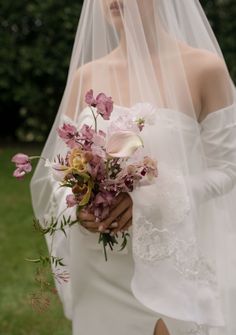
column 118, row 298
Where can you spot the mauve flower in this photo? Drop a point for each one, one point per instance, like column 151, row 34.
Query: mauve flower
column 104, row 106
column 94, row 166
column 23, row 165
column 89, row 98
column 19, row 174
column 99, row 141
column 20, row 159
column 123, row 144
column 87, row 132
column 68, row 133
column 71, row 200
column 103, row 103
column 96, row 150
column 99, row 138
column 101, row 204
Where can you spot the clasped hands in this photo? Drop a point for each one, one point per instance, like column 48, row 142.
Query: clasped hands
column 120, row 217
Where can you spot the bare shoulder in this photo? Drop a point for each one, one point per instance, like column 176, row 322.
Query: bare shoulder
column 204, row 63
column 214, row 82
column 211, row 78
column 87, row 69
column 211, row 66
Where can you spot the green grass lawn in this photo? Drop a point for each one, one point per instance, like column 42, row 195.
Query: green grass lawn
column 18, row 240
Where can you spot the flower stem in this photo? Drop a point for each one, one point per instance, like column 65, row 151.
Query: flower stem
column 104, row 248
column 95, row 119
column 36, row 157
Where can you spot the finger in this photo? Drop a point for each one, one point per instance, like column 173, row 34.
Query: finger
column 117, row 200
column 90, row 224
column 124, row 204
column 113, row 225
column 124, row 219
column 126, row 227
column 94, row 225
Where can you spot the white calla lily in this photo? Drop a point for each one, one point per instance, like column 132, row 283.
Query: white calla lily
column 123, row 144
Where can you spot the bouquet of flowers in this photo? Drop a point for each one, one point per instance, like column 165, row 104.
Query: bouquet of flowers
column 97, row 167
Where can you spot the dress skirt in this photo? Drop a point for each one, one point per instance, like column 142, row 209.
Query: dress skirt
column 103, row 302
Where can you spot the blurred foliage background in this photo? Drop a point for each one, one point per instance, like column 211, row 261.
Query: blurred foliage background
column 36, row 43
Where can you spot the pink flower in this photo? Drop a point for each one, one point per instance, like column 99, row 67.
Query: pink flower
column 96, row 150
column 103, row 103
column 23, row 165
column 99, row 138
column 87, row 132
column 20, row 159
column 89, row 98
column 96, row 167
column 71, row 200
column 19, row 173
column 101, row 204
column 123, row 144
column 68, row 133
column 99, row 141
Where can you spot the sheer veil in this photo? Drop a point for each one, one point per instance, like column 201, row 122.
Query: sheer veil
column 162, row 55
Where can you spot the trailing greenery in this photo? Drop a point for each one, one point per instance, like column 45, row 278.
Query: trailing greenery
column 36, row 43
column 19, row 241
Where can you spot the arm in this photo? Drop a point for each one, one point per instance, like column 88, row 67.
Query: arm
column 218, row 132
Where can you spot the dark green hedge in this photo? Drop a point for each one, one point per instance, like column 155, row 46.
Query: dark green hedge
column 36, row 41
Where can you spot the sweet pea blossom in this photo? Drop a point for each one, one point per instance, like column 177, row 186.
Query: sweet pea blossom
column 103, row 103
column 20, row 159
column 99, row 141
column 68, row 133
column 23, row 165
column 123, row 144
column 101, row 204
column 87, row 132
column 71, row 200
column 89, row 98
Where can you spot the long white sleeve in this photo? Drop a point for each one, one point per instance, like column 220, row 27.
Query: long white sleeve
column 218, row 134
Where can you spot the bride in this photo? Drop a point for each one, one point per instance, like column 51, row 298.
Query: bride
column 177, row 274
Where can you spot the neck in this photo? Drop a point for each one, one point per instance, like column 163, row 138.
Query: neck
column 150, row 40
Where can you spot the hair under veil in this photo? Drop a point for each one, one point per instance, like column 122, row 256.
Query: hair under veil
column 184, row 232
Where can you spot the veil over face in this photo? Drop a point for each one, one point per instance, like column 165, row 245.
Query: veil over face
column 162, row 54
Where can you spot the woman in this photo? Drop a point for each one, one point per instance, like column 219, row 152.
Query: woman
column 177, row 274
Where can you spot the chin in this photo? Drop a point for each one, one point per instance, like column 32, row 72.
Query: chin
column 113, row 11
